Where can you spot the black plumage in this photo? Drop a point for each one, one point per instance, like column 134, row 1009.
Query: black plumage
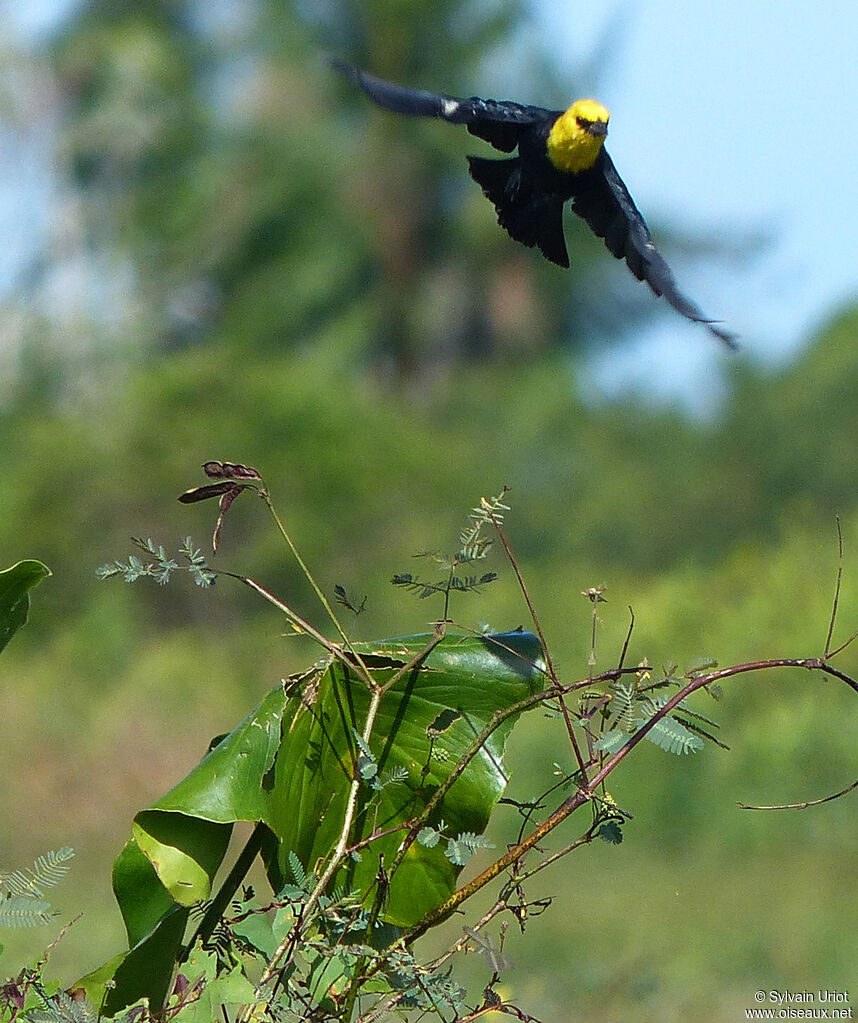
column 529, row 190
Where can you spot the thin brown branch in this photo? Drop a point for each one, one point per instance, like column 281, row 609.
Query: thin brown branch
column 708, row 678
column 511, row 856
column 564, row 710
column 323, row 600
column 418, row 658
column 526, row 594
column 833, row 619
column 842, row 647
column 835, row 673
column 628, row 639
column 805, row 803
column 584, row 839
column 302, row 625
column 583, row 795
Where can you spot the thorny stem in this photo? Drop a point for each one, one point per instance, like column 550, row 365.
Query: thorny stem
column 584, row 794
column 539, row 833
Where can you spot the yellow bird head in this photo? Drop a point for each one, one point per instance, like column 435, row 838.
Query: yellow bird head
column 577, row 136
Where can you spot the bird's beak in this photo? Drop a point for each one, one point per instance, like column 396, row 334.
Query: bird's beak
column 598, row 129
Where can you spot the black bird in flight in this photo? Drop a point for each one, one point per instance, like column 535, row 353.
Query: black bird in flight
column 561, row 156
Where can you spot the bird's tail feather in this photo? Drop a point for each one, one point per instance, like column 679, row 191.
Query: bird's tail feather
column 529, row 217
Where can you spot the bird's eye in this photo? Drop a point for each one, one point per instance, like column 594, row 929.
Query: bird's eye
column 583, row 122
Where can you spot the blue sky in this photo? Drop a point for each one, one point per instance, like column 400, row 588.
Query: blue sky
column 729, row 116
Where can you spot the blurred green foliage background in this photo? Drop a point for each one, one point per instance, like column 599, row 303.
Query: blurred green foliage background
column 250, row 264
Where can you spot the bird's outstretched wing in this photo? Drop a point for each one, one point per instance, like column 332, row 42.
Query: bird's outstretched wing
column 605, row 203
column 530, row 217
column 499, row 122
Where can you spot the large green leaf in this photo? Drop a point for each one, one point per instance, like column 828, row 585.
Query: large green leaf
column 15, row 585
column 289, row 765
column 155, row 924
column 229, row 784
column 177, row 846
column 457, row 688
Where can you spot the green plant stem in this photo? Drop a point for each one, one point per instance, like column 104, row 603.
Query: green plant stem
column 302, row 625
column 323, row 600
column 289, row 943
column 354, row 987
